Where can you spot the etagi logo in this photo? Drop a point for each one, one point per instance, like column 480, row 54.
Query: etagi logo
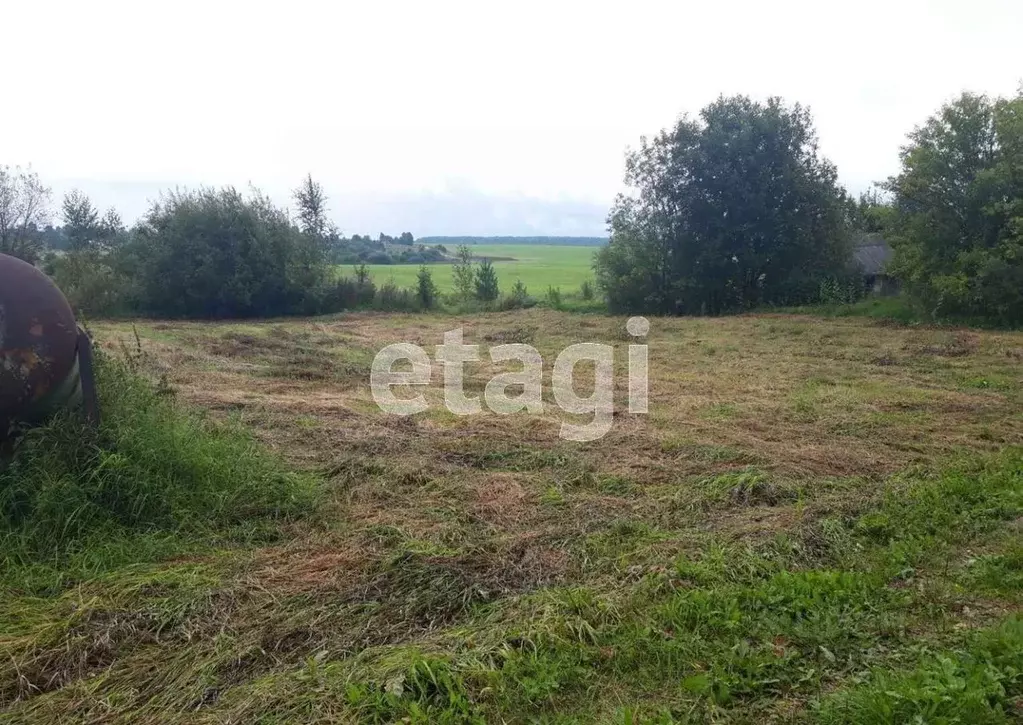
column 453, row 354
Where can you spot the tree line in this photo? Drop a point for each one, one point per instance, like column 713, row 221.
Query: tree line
column 731, row 210
column 737, row 209
column 205, row 253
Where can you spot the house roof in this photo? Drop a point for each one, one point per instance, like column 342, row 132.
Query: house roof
column 872, row 254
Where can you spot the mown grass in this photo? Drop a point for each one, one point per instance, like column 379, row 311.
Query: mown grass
column 819, row 521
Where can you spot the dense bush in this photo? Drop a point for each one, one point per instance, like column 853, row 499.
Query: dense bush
column 426, row 290
column 959, row 210
column 95, row 282
column 392, row 298
column 732, row 211
column 518, row 299
column 215, row 253
column 487, row 289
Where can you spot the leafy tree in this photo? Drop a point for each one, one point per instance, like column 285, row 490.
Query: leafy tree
column 312, row 208
column 959, row 210
column 406, row 238
column 426, row 290
column 215, row 253
column 111, row 229
column 54, row 237
column 24, row 211
column 85, row 229
column 732, row 210
column 486, row 282
column 81, row 220
column 463, row 274
column 872, row 213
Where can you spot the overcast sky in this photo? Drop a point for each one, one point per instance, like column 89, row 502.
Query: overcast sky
column 478, row 117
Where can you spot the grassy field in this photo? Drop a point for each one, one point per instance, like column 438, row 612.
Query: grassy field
column 538, row 266
column 818, row 521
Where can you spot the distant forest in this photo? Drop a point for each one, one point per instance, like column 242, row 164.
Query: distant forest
column 548, row 241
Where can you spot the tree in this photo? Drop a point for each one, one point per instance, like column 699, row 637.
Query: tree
column 24, row 211
column 486, row 282
column 731, row 210
column 406, row 238
column 215, row 253
column 111, row 229
column 426, row 290
column 958, row 238
column 81, row 220
column 312, row 208
column 872, row 213
column 463, row 274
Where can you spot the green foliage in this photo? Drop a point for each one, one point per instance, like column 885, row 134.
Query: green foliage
column 842, row 290
column 553, row 298
column 980, row 683
column 518, row 299
column 586, row 290
column 872, row 213
column 733, row 211
column 464, row 275
column 391, row 298
column 81, row 220
column 149, row 467
column 312, row 208
column 426, row 290
column 428, row 691
column 487, row 289
column 211, row 253
column 24, row 209
column 94, row 281
column 959, row 225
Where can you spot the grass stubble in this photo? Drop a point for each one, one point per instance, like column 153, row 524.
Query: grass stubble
column 818, row 521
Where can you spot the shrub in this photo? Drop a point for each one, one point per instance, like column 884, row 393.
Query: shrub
column 842, row 290
column 93, row 282
column 958, row 238
column 391, row 298
column 554, row 297
column 733, row 209
column 463, row 274
column 426, row 290
column 518, row 299
column 486, row 282
column 211, row 253
column 586, row 290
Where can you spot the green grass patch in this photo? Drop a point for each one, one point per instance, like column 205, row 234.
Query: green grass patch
column 977, row 683
column 538, row 266
column 152, row 479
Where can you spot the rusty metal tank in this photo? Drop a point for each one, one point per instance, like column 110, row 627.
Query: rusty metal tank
column 39, row 340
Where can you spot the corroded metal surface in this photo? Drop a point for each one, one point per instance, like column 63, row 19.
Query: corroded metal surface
column 38, row 340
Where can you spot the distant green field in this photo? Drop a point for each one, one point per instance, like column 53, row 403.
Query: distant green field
column 538, row 266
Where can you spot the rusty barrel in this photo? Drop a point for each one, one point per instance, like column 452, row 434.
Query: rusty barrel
column 38, row 344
